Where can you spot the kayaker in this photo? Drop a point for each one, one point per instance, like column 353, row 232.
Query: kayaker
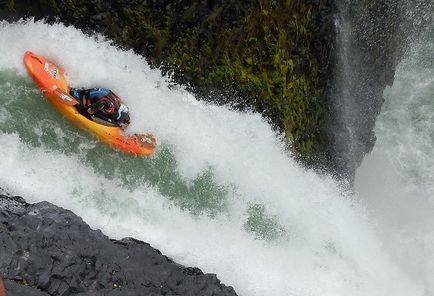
column 104, row 104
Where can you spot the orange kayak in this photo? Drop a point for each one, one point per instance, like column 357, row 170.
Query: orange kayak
column 53, row 83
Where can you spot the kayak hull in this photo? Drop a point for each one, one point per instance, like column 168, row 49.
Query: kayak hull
column 54, row 85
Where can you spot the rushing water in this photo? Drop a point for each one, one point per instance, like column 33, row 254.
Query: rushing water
column 371, row 35
column 397, row 179
column 221, row 192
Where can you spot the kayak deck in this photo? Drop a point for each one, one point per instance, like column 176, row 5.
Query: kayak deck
column 54, row 85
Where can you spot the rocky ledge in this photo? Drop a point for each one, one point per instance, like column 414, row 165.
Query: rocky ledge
column 47, row 250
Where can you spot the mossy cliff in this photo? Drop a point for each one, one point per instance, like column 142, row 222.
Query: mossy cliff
column 267, row 55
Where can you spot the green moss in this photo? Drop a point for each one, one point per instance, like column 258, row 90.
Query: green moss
column 266, row 60
column 257, row 54
column 10, row 5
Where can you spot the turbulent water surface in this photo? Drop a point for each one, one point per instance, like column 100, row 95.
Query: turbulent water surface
column 397, row 179
column 221, row 192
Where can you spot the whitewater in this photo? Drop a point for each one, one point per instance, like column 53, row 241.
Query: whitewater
column 397, row 179
column 221, row 193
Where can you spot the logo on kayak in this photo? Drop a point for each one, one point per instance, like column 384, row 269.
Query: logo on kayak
column 53, row 72
column 65, row 97
column 146, row 139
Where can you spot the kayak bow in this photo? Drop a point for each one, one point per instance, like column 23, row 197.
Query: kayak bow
column 54, row 85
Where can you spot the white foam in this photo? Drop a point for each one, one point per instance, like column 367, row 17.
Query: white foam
column 396, row 180
column 331, row 248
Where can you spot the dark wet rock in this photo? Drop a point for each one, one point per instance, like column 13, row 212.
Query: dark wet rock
column 52, row 250
column 372, row 38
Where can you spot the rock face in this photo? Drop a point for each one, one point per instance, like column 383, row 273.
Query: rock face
column 316, row 69
column 269, row 56
column 52, row 250
column 372, row 39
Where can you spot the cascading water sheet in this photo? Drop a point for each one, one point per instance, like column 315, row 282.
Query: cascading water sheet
column 397, row 179
column 221, row 192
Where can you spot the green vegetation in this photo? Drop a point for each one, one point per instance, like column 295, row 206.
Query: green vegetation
column 255, row 55
column 10, row 4
column 252, row 54
column 265, row 60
